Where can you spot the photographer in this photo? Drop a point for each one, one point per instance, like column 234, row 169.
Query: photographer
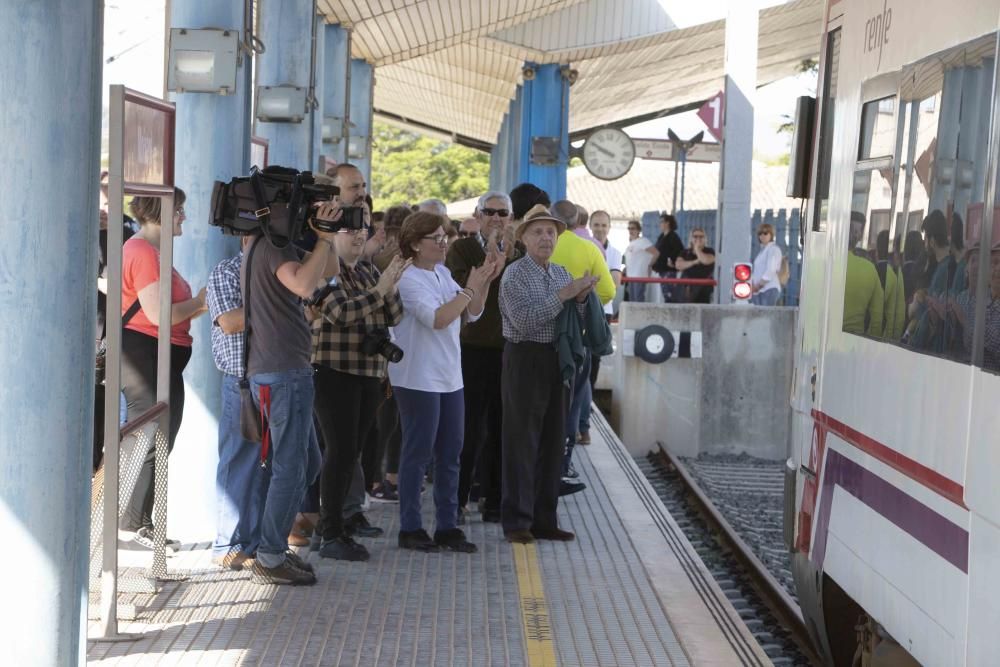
column 279, row 367
column 351, row 352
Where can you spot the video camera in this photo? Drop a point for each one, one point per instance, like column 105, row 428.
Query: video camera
column 277, row 201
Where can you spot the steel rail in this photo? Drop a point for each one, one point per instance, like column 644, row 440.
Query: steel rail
column 770, row 589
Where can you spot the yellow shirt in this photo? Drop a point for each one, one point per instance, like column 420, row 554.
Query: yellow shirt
column 579, row 256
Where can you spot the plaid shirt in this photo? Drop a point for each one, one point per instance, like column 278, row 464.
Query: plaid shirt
column 351, row 310
column 223, row 296
column 529, row 300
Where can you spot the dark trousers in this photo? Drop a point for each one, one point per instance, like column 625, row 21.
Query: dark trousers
column 579, row 395
column 98, row 425
column 345, row 409
column 533, row 435
column 384, row 441
column 481, row 371
column 139, row 385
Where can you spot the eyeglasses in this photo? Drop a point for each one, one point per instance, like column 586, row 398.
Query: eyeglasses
column 697, row 236
column 763, row 233
column 440, row 239
column 489, row 212
column 465, row 235
column 179, row 210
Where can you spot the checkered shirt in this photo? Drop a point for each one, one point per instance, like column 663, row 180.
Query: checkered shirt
column 529, row 300
column 351, row 310
column 223, row 295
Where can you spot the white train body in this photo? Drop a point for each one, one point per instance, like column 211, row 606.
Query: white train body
column 896, row 432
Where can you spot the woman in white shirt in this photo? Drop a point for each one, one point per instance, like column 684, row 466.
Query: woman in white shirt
column 427, row 381
column 766, row 265
column 637, row 262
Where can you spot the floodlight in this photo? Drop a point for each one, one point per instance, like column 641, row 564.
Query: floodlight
column 281, row 104
column 357, row 147
column 333, row 129
column 203, row 61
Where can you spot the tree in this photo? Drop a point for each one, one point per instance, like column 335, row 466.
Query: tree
column 408, row 167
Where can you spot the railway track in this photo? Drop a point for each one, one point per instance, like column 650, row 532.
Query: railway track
column 760, row 595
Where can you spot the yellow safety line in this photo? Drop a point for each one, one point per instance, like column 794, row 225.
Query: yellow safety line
column 534, row 607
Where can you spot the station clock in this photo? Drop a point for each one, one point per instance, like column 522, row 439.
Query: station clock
column 608, row 153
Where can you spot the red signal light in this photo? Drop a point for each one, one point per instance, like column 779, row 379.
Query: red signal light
column 742, row 272
column 742, row 290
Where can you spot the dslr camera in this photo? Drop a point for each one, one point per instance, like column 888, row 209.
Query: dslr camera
column 278, row 202
column 377, row 342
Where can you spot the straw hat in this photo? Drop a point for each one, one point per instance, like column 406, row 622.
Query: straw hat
column 539, row 213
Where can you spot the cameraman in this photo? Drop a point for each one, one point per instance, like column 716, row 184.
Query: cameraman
column 350, row 353
column 280, row 370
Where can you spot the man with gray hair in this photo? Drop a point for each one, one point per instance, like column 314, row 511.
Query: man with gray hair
column 482, row 354
column 435, row 206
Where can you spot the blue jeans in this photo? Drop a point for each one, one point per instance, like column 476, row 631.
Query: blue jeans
column 294, row 458
column 432, row 423
column 636, row 292
column 581, row 394
column 240, row 482
column 766, row 298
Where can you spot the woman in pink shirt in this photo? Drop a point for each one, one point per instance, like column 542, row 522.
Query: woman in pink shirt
column 141, row 297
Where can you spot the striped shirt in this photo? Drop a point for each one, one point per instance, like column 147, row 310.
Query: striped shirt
column 351, row 310
column 223, row 295
column 529, row 300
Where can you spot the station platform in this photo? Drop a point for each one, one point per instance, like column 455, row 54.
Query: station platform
column 630, row 590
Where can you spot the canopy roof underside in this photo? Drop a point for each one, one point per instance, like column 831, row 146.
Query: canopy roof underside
column 454, row 65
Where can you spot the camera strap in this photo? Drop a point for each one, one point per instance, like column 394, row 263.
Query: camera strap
column 265, row 393
column 263, row 211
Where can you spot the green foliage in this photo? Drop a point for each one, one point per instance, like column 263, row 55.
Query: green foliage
column 409, row 167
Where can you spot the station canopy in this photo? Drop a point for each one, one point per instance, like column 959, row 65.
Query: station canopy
column 452, row 66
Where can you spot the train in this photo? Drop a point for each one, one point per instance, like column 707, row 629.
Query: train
column 892, row 509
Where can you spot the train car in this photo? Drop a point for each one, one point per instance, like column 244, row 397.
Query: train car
column 893, row 504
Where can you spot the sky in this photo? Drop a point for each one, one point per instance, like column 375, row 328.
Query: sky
column 133, row 46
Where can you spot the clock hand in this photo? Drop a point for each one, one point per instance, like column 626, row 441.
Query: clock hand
column 604, row 150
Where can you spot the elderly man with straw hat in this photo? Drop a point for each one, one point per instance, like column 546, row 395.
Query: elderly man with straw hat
column 533, row 293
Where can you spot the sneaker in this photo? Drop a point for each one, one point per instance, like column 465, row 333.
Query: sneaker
column 234, row 560
column 144, row 539
column 418, row 540
column 358, row 525
column 285, row 574
column 385, row 492
column 299, row 562
column 571, row 471
column 343, row 548
column 454, row 540
column 583, row 438
column 568, row 487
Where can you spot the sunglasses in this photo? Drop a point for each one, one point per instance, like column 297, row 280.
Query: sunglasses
column 489, row 212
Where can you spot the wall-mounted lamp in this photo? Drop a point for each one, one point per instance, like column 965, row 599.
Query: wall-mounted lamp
column 333, row 129
column 357, row 147
column 281, row 104
column 203, row 61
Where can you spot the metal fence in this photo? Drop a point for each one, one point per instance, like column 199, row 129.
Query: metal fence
column 787, row 232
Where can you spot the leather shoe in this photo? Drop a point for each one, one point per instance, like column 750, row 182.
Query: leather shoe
column 568, row 487
column 519, row 536
column 491, row 516
column 557, row 534
column 358, row 526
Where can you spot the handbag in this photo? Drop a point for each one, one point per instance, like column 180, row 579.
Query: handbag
column 101, row 359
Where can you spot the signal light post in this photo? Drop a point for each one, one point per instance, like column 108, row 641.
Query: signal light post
column 742, row 289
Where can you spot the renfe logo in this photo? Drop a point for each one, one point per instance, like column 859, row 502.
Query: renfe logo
column 877, row 31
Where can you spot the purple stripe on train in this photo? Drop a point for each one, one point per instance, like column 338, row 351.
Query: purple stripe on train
column 934, row 531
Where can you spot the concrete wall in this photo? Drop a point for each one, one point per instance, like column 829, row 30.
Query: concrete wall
column 732, row 400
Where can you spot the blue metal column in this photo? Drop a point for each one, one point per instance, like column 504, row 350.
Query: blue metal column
column 544, row 104
column 286, row 28
column 362, row 89
column 335, row 99
column 48, row 258
column 213, row 144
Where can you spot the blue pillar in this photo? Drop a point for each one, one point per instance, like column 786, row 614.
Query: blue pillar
column 286, row 28
column 316, row 118
column 544, row 106
column 335, row 98
column 213, row 144
column 48, row 258
column 362, row 89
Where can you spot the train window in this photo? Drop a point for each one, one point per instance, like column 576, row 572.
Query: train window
column 878, row 129
column 917, row 206
column 824, row 156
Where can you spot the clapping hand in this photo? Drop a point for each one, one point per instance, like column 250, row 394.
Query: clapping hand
column 579, row 288
column 390, row 277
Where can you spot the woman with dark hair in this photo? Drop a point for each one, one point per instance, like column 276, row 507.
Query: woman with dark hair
column 141, row 300
column 427, row 381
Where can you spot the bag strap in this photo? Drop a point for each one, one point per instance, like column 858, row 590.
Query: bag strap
column 246, row 309
column 263, row 211
column 131, row 312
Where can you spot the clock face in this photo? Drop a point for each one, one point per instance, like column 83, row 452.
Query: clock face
column 608, row 154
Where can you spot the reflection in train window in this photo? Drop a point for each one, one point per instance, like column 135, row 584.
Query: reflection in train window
column 918, row 211
column 824, row 157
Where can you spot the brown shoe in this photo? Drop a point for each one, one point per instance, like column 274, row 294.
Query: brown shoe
column 557, row 534
column 234, row 560
column 296, row 539
column 302, row 529
column 583, row 438
column 519, row 536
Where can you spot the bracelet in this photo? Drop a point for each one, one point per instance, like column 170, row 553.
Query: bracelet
column 466, row 295
column 471, row 289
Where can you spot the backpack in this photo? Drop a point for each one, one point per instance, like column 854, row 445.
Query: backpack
column 785, row 272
